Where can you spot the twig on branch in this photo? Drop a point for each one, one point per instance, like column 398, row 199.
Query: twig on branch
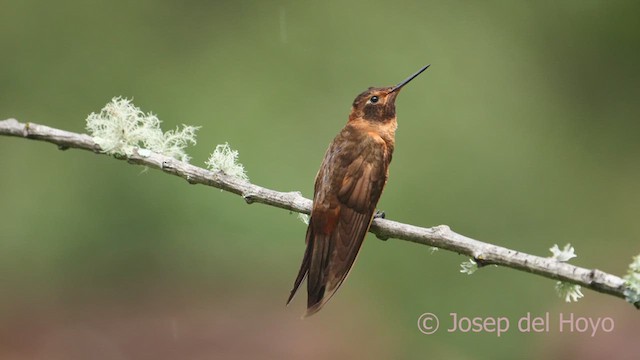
column 439, row 236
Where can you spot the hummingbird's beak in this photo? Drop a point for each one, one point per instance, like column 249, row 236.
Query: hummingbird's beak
column 406, row 81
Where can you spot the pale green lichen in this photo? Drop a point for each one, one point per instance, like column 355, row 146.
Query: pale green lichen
column 469, row 267
column 304, row 218
column 225, row 159
column 632, row 282
column 120, row 128
column 566, row 254
column 570, row 292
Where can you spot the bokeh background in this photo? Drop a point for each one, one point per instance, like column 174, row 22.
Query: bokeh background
column 523, row 133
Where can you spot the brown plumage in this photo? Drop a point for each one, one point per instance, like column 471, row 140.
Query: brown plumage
column 347, row 188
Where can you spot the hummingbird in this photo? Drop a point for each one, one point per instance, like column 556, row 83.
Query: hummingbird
column 347, row 189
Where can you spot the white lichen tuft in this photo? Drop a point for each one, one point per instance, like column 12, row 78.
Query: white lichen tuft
column 226, row 160
column 632, row 282
column 566, row 254
column 634, row 267
column 173, row 142
column 121, row 127
column 469, row 267
column 304, row 218
column 570, row 292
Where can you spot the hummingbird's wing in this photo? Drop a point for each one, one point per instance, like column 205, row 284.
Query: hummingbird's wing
column 348, row 187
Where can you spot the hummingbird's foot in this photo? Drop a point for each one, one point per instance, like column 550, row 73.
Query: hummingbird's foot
column 379, row 214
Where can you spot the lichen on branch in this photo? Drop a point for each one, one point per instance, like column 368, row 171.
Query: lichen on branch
column 121, row 127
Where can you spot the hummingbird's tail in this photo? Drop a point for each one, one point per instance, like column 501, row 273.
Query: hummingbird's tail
column 304, row 267
column 333, row 253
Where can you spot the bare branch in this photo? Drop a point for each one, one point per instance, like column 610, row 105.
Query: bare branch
column 439, row 236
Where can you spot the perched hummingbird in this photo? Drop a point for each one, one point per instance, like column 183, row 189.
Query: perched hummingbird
column 348, row 185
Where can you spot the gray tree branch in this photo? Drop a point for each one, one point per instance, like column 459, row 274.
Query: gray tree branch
column 439, row 236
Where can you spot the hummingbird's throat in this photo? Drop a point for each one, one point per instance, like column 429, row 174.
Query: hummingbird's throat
column 385, row 131
column 379, row 113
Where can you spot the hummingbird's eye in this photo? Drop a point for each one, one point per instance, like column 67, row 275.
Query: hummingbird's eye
column 374, row 99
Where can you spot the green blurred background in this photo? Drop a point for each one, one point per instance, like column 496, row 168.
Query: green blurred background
column 523, row 133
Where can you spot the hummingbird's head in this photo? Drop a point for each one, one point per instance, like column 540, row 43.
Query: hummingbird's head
column 379, row 104
column 375, row 105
